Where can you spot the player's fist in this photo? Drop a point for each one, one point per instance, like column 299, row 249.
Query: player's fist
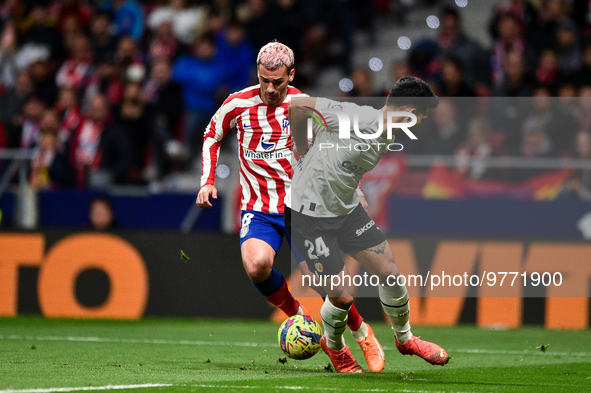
column 204, row 193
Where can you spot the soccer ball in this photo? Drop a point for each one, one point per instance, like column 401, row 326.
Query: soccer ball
column 299, row 337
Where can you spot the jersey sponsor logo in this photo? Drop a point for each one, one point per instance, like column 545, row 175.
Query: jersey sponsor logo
column 271, row 155
column 355, row 169
column 337, row 106
column 246, row 125
column 365, row 228
column 266, row 145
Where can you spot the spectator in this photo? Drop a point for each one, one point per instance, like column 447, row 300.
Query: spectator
column 582, row 109
column 235, row 49
column 51, row 163
column 452, row 80
column 68, row 110
column 163, row 44
column 61, row 10
column 583, row 75
column 75, row 71
column 510, row 40
column 40, row 29
column 129, row 59
column 137, row 123
column 201, row 75
column 568, row 47
column 454, row 43
column 580, row 11
column 289, row 19
column 523, row 10
column 560, row 126
column 187, row 22
column 101, row 215
column 106, row 79
column 400, row 68
column 164, row 101
column 567, row 93
column 547, row 71
column 100, row 147
column 472, row 154
column 443, row 134
column 43, row 81
column 425, row 61
column 72, row 30
column 535, row 143
column 32, row 111
column 516, row 82
column 8, row 49
column 552, row 15
column 260, row 27
column 104, row 44
column 128, row 17
column 11, row 107
column 3, row 140
column 582, row 150
column 362, row 84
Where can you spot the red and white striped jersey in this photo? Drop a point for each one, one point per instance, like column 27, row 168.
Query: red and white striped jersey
column 264, row 147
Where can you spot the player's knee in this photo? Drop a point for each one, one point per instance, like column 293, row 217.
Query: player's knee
column 389, row 268
column 258, row 269
column 342, row 302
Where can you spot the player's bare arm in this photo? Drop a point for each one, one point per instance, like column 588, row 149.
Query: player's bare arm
column 298, row 115
column 364, row 203
column 379, row 249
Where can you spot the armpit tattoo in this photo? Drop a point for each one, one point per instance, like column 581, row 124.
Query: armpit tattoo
column 379, row 249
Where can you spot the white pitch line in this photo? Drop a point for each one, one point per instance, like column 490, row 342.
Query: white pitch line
column 88, row 388
column 335, row 389
column 266, row 345
column 135, row 341
column 164, row 385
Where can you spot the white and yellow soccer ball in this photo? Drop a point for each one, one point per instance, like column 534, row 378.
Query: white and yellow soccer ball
column 299, row 337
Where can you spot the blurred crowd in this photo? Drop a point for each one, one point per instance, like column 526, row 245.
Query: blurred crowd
column 532, row 86
column 120, row 91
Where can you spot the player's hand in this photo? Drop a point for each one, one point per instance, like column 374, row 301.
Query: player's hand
column 364, row 203
column 204, row 193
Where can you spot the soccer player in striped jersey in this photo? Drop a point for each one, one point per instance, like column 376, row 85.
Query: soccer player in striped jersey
column 326, row 216
column 260, row 116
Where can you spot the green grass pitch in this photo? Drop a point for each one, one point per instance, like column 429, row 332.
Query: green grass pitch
column 187, row 355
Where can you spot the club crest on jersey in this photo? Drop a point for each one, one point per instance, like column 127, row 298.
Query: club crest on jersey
column 285, row 125
column 319, row 267
column 266, row 145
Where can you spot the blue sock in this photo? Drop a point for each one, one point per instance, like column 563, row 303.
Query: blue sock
column 271, row 285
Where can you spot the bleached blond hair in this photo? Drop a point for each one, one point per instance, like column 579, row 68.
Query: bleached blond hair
column 274, row 55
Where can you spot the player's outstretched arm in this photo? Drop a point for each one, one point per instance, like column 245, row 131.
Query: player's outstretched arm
column 298, row 115
column 204, row 194
column 219, row 126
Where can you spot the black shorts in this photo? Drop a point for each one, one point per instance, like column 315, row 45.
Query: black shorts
column 320, row 239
